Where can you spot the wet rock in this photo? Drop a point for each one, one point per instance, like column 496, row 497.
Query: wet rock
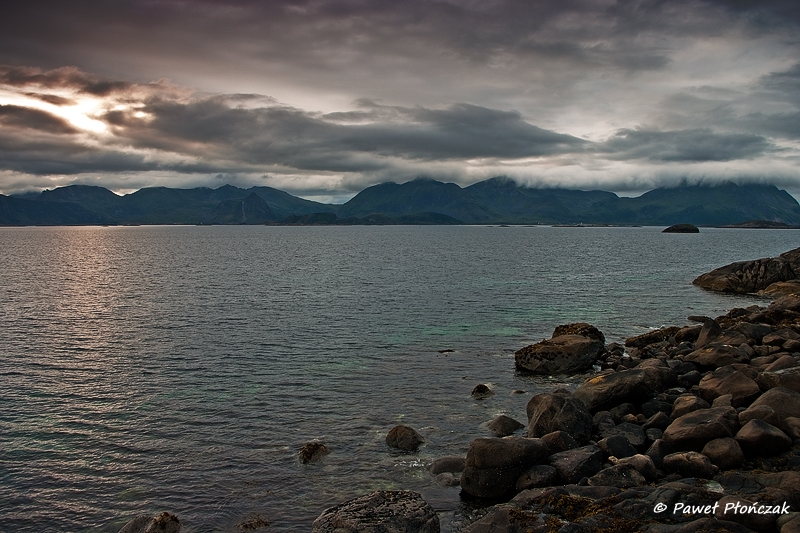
column 636, row 385
column 686, row 404
column 448, row 479
column 451, row 463
column 253, row 522
column 724, row 453
column 399, row 511
column 573, row 465
column 617, row 446
column 621, row 475
column 690, row 464
column 558, row 411
column 715, row 356
column 163, row 523
column 693, row 430
column 727, row 380
column 312, row 452
column 537, row 476
column 481, row 392
column 559, row 441
column 493, row 466
column 503, row 426
column 760, row 438
column 404, row 438
column 559, row 355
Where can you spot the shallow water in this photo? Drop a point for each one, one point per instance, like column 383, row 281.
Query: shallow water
column 182, row 368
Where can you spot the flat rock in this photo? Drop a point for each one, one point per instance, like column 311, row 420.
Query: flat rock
column 681, row 228
column 760, row 438
column 493, row 466
column 717, row 355
column 636, row 385
column 693, row 430
column 559, row 355
column 395, row 511
column 651, row 337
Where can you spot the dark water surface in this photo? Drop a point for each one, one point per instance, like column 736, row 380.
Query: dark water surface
column 181, row 368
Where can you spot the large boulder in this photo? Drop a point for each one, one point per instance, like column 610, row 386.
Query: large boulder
column 694, row 430
column 786, row 378
column 559, row 355
column 785, row 402
column 747, row 276
column 636, row 385
column 760, row 438
column 384, row 511
column 559, row 411
column 493, row 466
column 724, row 453
column 574, row 465
column 727, row 380
column 717, row 355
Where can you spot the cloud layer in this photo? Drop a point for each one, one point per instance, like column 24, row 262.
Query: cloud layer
column 326, row 97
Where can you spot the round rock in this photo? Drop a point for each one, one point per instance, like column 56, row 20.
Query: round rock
column 404, row 438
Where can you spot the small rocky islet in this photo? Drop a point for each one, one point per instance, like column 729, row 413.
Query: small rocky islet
column 682, row 429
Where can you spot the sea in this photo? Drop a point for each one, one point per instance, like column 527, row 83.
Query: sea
column 182, row 368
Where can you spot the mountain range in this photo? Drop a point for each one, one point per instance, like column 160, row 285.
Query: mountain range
column 420, row 201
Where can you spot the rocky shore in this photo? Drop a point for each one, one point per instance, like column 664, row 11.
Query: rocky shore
column 682, row 429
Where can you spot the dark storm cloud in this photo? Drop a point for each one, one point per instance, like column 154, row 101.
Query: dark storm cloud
column 12, row 116
column 59, row 78
column 211, row 127
column 687, row 145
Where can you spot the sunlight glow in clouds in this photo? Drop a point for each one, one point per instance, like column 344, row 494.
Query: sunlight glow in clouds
column 81, row 113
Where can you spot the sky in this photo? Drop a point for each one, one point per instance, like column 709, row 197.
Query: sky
column 323, row 98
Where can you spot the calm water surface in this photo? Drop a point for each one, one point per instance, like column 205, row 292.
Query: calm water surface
column 181, row 368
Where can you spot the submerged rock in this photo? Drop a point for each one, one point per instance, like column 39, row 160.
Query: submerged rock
column 312, row 452
column 163, row 523
column 404, row 438
column 399, row 511
column 481, row 392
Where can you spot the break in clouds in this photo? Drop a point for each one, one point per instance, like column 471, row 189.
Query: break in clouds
column 327, row 97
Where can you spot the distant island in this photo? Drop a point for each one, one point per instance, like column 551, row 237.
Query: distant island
column 421, row 201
